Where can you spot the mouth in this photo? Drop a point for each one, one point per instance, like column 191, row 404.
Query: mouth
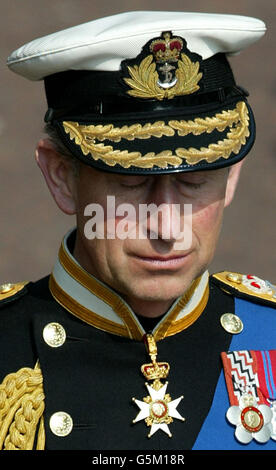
column 172, row 262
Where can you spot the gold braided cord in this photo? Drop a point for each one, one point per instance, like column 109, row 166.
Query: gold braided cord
column 21, row 410
column 41, row 438
column 237, row 120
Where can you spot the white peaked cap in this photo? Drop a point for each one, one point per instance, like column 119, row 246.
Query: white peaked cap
column 102, row 44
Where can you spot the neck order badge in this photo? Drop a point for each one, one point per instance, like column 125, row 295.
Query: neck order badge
column 158, row 409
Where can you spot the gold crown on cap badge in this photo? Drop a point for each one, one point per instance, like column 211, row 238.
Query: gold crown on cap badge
column 166, row 72
column 167, row 49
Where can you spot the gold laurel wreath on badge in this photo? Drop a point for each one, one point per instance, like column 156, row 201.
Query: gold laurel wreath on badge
column 90, row 139
column 144, row 78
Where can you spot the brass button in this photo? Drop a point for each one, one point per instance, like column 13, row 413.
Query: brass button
column 231, row 323
column 61, row 424
column 233, row 277
column 54, row 335
column 5, row 288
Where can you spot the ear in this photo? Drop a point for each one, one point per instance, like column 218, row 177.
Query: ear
column 58, row 174
column 232, row 182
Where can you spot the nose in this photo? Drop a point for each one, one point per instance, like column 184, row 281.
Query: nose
column 164, row 218
column 162, row 190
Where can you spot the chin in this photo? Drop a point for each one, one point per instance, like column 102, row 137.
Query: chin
column 158, row 290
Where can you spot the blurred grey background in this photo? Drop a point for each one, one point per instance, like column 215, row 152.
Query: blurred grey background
column 31, row 224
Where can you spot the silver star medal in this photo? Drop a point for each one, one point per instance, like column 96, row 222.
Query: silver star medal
column 157, row 409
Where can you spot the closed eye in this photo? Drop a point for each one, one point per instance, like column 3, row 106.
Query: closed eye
column 190, row 184
column 134, row 182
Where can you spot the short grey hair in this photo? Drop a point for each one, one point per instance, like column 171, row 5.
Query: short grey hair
column 59, row 146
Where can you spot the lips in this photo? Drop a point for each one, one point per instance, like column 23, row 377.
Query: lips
column 162, row 262
column 161, row 258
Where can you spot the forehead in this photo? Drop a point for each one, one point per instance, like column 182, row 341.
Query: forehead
column 88, row 173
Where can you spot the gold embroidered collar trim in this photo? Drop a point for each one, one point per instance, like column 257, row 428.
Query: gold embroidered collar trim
column 95, row 303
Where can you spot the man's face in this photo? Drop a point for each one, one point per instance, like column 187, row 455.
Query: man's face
column 155, row 268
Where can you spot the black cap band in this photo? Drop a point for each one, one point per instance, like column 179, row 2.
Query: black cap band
column 94, row 92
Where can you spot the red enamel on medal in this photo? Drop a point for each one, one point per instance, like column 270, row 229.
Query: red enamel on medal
column 252, row 419
column 159, row 409
column 254, row 284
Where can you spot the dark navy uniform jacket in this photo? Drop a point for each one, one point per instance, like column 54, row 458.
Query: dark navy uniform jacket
column 95, row 374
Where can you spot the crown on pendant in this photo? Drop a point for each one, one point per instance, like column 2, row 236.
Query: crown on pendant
column 167, row 49
column 155, row 370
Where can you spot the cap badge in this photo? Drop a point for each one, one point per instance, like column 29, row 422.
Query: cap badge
column 166, row 52
column 166, row 72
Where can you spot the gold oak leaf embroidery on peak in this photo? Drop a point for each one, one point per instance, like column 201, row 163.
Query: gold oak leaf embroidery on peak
column 88, row 138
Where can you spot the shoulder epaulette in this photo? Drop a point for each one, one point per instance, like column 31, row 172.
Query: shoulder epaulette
column 246, row 286
column 10, row 292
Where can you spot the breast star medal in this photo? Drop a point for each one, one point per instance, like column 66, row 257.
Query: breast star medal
column 157, row 409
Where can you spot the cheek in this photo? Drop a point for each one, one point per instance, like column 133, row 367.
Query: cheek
column 125, row 226
column 207, row 221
